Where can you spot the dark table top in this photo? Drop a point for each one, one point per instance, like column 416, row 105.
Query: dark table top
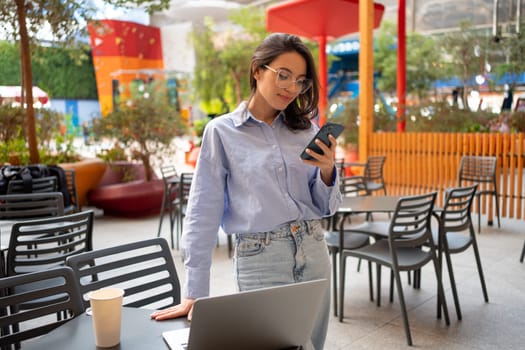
column 138, row 331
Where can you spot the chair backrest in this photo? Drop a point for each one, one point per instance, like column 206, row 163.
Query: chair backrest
column 46, row 243
column 184, row 186
column 410, row 224
column 31, row 205
column 477, row 169
column 36, row 185
column 72, row 189
column 168, row 171
column 353, row 186
column 456, row 216
column 374, row 168
column 47, row 293
column 144, row 269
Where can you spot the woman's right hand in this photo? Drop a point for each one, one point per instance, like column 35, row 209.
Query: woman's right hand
column 184, row 308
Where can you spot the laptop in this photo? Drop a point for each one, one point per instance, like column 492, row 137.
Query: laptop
column 280, row 317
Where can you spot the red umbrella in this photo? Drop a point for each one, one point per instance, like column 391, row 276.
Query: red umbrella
column 320, row 20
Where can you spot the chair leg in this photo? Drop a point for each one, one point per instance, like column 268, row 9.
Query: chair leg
column 370, row 280
column 522, row 253
column 333, row 252
column 391, row 297
column 404, row 312
column 441, row 293
column 497, row 209
column 479, row 214
column 378, row 284
column 480, row 270
column 342, row 272
column 453, row 287
column 162, row 213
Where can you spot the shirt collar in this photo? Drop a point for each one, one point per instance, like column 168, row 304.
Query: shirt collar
column 242, row 115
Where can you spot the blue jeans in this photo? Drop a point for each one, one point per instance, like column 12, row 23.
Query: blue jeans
column 294, row 252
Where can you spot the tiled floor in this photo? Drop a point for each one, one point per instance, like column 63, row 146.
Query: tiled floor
column 499, row 324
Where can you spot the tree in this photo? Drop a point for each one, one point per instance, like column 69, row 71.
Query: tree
column 512, row 50
column 423, row 60
column 143, row 125
column 65, row 18
column 464, row 51
column 222, row 60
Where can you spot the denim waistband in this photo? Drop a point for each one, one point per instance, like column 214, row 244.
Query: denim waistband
column 283, row 231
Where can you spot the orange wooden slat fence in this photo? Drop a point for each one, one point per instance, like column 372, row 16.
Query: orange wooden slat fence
column 423, row 162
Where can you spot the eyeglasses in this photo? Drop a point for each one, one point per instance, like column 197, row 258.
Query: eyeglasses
column 283, row 80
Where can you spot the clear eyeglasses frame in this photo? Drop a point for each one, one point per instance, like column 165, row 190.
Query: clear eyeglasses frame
column 283, row 80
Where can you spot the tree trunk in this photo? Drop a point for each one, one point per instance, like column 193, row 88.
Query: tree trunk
column 27, row 76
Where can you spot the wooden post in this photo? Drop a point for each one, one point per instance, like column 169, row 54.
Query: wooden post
column 366, row 76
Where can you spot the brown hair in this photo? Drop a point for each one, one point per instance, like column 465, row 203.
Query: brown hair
column 299, row 112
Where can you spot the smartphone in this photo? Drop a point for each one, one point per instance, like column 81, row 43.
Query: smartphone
column 329, row 128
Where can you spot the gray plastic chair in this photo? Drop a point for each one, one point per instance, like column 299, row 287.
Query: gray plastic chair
column 31, row 205
column 350, row 186
column 144, row 269
column 171, row 180
column 45, row 243
column 456, row 234
column 37, row 185
column 482, row 171
column 408, row 231
column 74, row 207
column 51, row 292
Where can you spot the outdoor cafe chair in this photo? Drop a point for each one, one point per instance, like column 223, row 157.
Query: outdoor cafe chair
column 36, row 185
column 402, row 250
column 144, row 269
column 74, row 207
column 31, row 205
column 482, row 171
column 46, row 243
column 171, row 180
column 181, row 202
column 50, row 292
column 456, row 234
column 350, row 186
column 522, row 253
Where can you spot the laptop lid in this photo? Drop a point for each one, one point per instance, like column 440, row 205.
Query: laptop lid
column 270, row 318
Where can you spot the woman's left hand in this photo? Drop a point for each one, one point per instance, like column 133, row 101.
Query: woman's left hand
column 325, row 161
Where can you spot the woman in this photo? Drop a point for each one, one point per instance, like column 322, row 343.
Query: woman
column 251, row 181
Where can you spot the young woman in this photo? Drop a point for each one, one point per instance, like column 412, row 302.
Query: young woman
column 251, row 180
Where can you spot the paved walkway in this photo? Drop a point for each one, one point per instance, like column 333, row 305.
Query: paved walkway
column 499, row 324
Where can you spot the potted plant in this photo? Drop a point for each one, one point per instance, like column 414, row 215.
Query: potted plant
column 142, row 127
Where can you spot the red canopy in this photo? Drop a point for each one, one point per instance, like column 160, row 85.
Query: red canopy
column 320, row 20
column 15, row 93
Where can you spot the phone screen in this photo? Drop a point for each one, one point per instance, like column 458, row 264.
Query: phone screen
column 329, row 128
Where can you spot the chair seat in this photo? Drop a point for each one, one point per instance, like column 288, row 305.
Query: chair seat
column 374, row 186
column 457, row 242
column 351, row 240
column 379, row 252
column 372, row 228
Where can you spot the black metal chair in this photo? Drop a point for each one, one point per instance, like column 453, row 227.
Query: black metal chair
column 481, row 171
column 144, row 269
column 180, row 203
column 31, row 205
column 75, row 206
column 171, row 180
column 456, row 234
column 51, row 292
column 36, row 185
column 403, row 250
column 46, row 243
column 522, row 253
column 350, row 186
column 374, row 174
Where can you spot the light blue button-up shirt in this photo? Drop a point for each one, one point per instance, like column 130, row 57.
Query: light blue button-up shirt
column 249, row 178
